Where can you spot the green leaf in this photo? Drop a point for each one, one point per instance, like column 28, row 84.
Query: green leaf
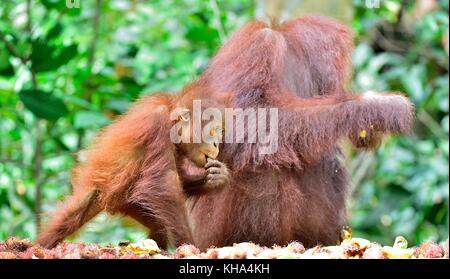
column 362, row 54
column 119, row 105
column 52, row 4
column 198, row 31
column 90, row 119
column 52, row 59
column 414, row 83
column 67, row 54
column 55, row 31
column 6, row 69
column 42, row 53
column 42, row 104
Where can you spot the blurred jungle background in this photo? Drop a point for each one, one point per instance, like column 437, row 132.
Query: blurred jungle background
column 67, row 72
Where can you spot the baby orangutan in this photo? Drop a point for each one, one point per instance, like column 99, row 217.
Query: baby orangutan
column 134, row 169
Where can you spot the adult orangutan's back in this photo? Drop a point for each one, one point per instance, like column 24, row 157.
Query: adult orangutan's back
column 298, row 192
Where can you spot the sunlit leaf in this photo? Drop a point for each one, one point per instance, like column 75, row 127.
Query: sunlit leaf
column 89, row 119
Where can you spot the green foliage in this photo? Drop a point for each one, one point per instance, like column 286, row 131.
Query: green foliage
column 67, row 78
column 406, row 191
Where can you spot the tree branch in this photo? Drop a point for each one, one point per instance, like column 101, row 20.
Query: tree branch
column 93, row 46
column 37, row 174
column 431, row 124
column 91, row 61
column 359, row 169
column 40, row 128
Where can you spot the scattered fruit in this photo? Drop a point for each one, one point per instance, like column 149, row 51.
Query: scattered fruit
column 346, row 233
column 429, row 250
column 350, row 248
column 147, row 246
column 375, row 251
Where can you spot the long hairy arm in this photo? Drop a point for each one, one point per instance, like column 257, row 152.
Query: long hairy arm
column 323, row 121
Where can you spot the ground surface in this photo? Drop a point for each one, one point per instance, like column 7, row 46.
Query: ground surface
column 354, row 248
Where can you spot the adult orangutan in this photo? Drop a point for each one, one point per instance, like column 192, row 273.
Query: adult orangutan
column 302, row 67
